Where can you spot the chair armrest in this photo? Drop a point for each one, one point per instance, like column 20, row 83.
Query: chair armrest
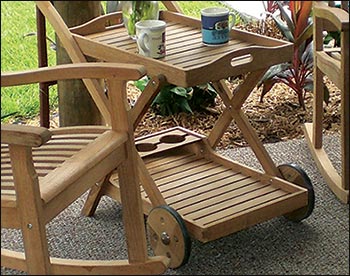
column 23, row 135
column 338, row 17
column 89, row 70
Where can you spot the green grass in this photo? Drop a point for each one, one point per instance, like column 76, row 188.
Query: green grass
column 19, row 52
column 192, row 8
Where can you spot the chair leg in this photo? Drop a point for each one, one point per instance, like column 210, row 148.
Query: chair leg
column 36, row 249
column 318, row 109
column 132, row 208
column 94, row 197
column 30, row 210
column 345, row 139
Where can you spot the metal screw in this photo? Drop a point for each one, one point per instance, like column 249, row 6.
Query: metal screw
column 29, row 226
column 165, row 238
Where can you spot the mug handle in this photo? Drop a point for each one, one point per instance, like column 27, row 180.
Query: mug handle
column 141, row 41
column 232, row 21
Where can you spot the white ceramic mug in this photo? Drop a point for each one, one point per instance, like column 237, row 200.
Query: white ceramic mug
column 150, row 38
column 217, row 23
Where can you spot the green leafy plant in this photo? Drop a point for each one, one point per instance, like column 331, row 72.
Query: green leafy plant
column 203, row 96
column 295, row 23
column 134, row 11
column 173, row 99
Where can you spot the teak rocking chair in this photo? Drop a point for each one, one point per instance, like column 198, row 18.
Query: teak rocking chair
column 333, row 63
column 43, row 171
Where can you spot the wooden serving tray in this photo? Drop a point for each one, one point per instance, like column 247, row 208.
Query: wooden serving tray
column 188, row 60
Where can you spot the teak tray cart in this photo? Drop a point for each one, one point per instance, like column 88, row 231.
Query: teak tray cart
column 188, row 190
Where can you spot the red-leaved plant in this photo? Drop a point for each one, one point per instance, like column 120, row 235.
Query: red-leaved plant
column 295, row 23
column 270, row 6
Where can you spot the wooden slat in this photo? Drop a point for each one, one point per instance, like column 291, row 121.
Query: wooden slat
column 186, row 187
column 176, row 166
column 6, row 178
column 60, row 151
column 175, row 33
column 232, row 204
column 77, row 130
column 160, row 161
column 193, row 39
column 200, row 52
column 47, row 157
column 59, row 147
column 177, row 174
column 69, row 142
column 5, row 167
column 178, row 186
column 254, row 203
column 10, row 194
column 100, row 36
column 7, row 185
column 211, row 190
column 75, row 136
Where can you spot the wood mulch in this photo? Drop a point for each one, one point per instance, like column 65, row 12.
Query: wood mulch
column 278, row 118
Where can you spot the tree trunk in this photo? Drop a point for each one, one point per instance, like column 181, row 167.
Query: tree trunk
column 76, row 106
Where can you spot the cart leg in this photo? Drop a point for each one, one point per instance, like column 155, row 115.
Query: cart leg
column 234, row 111
column 145, row 100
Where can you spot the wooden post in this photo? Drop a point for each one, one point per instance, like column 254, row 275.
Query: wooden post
column 42, row 62
column 76, row 106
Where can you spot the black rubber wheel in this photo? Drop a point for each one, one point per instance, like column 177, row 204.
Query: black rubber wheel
column 168, row 235
column 295, row 174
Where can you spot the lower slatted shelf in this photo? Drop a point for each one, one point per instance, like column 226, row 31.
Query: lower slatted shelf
column 214, row 197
